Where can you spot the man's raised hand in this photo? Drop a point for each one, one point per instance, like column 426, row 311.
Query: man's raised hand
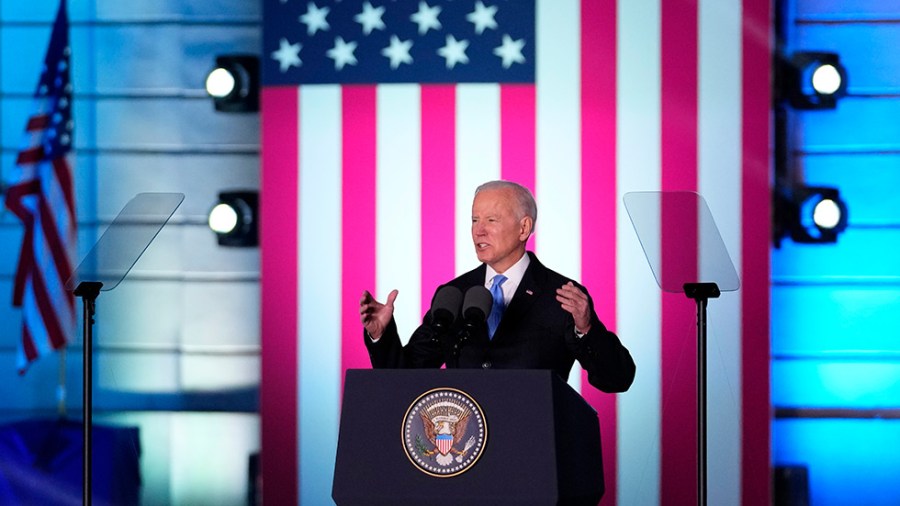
column 374, row 315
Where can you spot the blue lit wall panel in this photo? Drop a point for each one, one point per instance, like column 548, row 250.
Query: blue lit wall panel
column 836, row 383
column 124, row 174
column 868, row 182
column 12, row 122
column 135, row 59
column 857, row 123
column 851, row 9
column 851, row 462
column 170, row 123
column 836, row 308
column 30, row 11
column 868, row 68
column 133, row 11
column 860, row 253
column 133, row 62
column 137, row 10
column 21, row 74
column 843, row 318
column 9, row 315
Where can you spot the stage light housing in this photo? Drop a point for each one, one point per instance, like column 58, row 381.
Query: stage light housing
column 234, row 83
column 815, row 80
column 235, row 219
column 810, row 215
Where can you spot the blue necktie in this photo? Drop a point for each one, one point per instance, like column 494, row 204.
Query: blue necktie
column 497, row 306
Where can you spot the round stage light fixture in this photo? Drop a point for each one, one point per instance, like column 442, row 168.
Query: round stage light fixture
column 815, row 80
column 220, row 83
column 223, row 218
column 810, row 214
column 235, row 218
column 827, row 214
column 826, row 79
column 234, row 83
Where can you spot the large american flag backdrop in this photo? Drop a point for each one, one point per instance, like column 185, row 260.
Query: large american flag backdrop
column 381, row 117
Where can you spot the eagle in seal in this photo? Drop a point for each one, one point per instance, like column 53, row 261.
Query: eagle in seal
column 445, row 425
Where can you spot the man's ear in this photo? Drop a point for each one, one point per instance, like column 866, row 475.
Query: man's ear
column 526, row 228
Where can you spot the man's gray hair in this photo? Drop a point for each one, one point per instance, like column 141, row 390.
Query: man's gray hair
column 525, row 200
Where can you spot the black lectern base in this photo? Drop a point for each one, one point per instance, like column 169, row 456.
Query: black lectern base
column 541, row 441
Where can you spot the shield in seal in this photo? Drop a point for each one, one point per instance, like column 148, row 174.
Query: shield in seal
column 444, row 432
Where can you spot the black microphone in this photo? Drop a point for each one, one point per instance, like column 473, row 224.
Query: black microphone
column 445, row 307
column 477, row 305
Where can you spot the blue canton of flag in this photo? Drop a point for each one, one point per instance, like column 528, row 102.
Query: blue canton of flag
column 404, row 41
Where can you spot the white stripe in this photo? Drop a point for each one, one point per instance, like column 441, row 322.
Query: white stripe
column 319, row 296
column 56, row 294
column 477, row 158
column 720, row 184
column 53, row 282
column 46, row 267
column 558, row 151
column 56, row 199
column 398, row 239
column 638, row 319
column 31, row 317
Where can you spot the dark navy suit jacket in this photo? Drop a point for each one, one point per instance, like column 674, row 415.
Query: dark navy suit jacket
column 534, row 333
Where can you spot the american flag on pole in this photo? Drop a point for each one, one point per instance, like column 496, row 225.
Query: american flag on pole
column 42, row 195
column 381, row 117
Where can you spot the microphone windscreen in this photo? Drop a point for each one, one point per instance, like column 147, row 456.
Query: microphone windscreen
column 477, row 304
column 445, row 306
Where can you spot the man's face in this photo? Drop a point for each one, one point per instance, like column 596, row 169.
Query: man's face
column 498, row 235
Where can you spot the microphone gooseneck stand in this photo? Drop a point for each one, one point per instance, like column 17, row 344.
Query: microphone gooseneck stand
column 469, row 327
column 88, row 291
column 701, row 292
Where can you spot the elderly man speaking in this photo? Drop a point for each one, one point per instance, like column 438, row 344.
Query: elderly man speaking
column 539, row 319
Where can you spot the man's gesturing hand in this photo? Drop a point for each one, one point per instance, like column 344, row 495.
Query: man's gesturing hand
column 374, row 315
column 575, row 302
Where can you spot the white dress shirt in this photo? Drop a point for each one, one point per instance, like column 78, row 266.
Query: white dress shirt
column 513, row 277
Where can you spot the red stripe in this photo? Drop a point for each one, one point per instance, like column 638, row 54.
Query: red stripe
column 17, row 192
column 28, row 349
column 30, row 156
column 357, row 216
column 438, row 187
column 679, row 130
column 55, row 244
column 756, row 482
column 64, row 176
column 25, row 266
column 50, row 318
column 598, row 199
column 517, row 133
column 57, row 326
column 37, row 122
column 278, row 292
column 14, row 202
column 517, row 136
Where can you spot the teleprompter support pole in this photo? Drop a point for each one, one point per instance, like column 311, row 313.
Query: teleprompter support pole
column 701, row 292
column 88, row 291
